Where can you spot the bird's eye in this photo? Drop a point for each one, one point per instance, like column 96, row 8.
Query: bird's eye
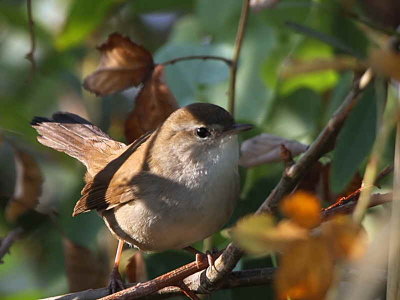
column 202, row 132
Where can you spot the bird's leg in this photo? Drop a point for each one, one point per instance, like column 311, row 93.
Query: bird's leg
column 200, row 256
column 116, row 284
column 188, row 292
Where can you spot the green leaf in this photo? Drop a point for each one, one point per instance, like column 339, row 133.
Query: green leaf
column 320, row 81
column 83, row 18
column 186, row 77
column 330, row 40
column 355, row 141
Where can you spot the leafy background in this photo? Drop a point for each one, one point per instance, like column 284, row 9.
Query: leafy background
column 67, row 32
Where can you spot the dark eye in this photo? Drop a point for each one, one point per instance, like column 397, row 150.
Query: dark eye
column 202, row 132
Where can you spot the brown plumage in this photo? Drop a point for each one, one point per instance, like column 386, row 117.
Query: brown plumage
column 168, row 189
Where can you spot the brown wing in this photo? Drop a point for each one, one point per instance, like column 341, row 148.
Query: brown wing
column 110, row 186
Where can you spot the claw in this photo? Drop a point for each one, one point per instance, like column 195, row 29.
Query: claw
column 116, row 283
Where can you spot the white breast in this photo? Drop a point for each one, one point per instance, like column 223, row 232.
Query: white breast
column 200, row 205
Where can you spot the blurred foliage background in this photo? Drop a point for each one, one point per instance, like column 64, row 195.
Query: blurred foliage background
column 271, row 94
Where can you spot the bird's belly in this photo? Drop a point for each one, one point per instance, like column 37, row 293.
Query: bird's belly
column 161, row 227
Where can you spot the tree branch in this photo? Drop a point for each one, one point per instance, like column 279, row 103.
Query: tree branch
column 236, row 53
column 318, row 148
column 30, row 55
column 244, row 278
column 194, row 57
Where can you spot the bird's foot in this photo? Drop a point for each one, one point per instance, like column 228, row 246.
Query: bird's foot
column 116, row 283
column 209, row 256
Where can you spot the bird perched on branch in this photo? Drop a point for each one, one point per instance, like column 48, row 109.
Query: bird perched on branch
column 168, row 189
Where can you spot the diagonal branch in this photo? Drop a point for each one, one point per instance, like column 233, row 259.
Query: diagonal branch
column 229, row 258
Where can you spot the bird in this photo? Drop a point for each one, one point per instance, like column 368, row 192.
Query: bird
column 168, row 189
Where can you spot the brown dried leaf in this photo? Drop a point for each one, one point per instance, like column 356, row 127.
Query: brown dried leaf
column 28, row 186
column 136, row 268
column 123, row 64
column 266, row 148
column 347, row 239
column 258, row 234
column 305, row 271
column 154, row 104
column 84, row 269
column 303, row 208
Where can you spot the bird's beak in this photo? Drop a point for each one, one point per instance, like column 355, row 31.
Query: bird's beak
column 237, row 128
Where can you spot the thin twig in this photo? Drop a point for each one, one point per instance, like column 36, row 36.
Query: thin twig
column 393, row 284
column 31, row 54
column 355, row 195
column 236, row 53
column 8, row 241
column 195, row 57
column 346, row 208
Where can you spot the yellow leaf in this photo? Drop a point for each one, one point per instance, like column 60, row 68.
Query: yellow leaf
column 305, row 271
column 302, row 208
column 258, row 234
column 347, row 239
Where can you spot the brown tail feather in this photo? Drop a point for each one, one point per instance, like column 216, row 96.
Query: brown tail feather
column 77, row 137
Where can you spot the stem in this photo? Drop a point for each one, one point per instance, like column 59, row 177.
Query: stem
column 195, row 57
column 372, row 166
column 393, row 290
column 236, row 53
column 30, row 55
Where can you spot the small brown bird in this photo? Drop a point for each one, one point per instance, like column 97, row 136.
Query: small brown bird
column 168, row 189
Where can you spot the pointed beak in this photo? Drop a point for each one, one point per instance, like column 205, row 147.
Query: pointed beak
column 237, row 128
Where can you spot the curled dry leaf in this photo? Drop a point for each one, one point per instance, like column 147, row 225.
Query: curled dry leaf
column 28, row 186
column 303, row 208
column 136, row 268
column 257, row 5
column 347, row 239
column 154, row 103
column 305, row 271
column 123, row 64
column 386, row 60
column 84, row 269
column 258, row 234
column 266, row 148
